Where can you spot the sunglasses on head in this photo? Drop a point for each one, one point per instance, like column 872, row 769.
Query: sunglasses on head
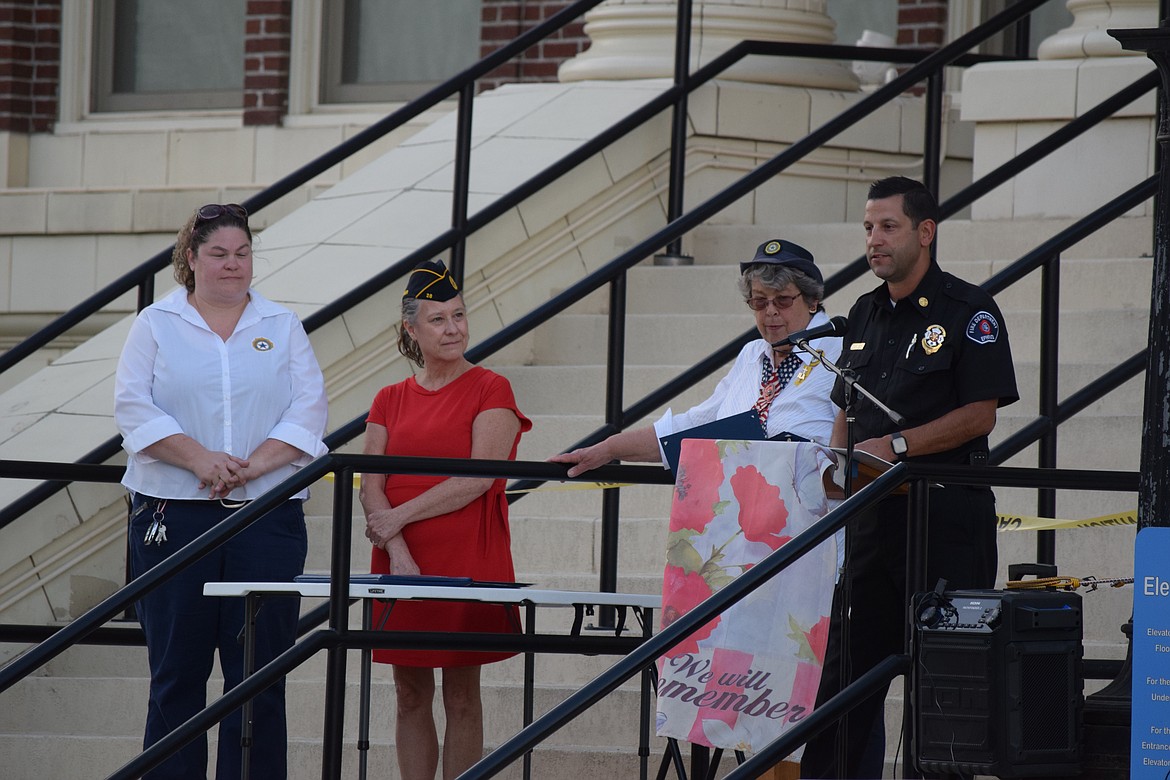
column 213, row 211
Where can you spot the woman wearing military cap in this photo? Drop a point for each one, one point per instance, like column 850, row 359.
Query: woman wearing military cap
column 454, row 526
column 783, row 287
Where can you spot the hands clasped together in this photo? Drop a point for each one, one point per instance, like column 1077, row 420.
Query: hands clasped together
column 384, row 529
column 222, row 473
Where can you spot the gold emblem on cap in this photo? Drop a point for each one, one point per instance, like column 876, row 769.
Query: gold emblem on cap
column 933, row 338
column 772, row 247
column 923, row 302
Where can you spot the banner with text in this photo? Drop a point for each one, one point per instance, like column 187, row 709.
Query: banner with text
column 751, row 673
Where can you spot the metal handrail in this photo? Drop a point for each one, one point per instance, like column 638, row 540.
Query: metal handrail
column 772, row 564
column 254, row 510
column 964, row 198
column 345, row 465
column 463, row 224
column 675, row 229
column 144, row 273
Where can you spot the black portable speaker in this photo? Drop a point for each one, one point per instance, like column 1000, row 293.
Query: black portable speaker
column 998, row 682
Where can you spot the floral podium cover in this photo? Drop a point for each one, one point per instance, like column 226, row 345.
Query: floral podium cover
column 751, row 673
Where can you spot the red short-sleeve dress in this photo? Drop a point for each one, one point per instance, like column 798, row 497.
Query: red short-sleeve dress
column 470, row 542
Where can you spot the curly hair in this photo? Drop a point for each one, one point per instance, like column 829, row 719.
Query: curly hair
column 195, row 233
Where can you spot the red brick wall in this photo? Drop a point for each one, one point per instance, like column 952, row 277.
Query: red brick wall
column 30, row 35
column 267, row 41
column 922, row 24
column 503, row 20
column 30, row 64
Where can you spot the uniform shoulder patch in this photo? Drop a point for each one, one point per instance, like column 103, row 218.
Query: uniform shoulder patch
column 983, row 328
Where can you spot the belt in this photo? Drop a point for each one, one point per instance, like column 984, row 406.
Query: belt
column 226, row 503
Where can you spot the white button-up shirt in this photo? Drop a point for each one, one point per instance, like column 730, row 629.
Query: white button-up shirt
column 803, row 407
column 177, row 376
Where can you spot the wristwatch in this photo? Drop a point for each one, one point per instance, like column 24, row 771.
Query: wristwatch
column 898, row 445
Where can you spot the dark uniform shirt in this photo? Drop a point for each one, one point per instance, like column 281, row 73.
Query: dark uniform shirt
column 942, row 347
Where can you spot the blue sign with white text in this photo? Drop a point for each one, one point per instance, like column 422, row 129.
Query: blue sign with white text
column 1149, row 755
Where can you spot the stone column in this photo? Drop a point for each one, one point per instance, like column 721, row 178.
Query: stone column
column 1087, row 36
column 634, row 39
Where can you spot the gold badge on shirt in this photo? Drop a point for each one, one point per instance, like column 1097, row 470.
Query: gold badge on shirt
column 262, row 344
column 805, row 370
column 933, row 338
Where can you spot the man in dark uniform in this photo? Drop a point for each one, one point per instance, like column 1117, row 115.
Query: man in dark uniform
column 934, row 349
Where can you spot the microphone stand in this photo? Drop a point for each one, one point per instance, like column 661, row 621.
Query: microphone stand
column 852, row 389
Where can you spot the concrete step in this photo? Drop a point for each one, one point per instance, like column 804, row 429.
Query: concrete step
column 82, row 757
column 959, row 240
column 1102, row 442
column 550, row 391
column 1085, row 283
column 570, row 671
column 580, row 339
column 66, row 705
column 564, row 389
column 1085, row 336
column 543, row 547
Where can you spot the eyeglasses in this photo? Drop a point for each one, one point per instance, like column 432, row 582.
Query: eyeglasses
column 780, row 302
column 213, row 211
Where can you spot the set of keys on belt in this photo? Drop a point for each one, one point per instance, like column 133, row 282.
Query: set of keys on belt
column 156, row 533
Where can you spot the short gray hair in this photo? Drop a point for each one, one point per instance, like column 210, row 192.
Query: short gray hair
column 777, row 277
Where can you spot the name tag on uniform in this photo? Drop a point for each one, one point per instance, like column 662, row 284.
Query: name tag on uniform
column 857, row 345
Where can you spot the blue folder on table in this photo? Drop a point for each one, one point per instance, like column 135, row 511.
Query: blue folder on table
column 744, row 426
column 413, row 579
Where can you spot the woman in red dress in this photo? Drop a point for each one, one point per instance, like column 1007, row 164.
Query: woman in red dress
column 455, row 526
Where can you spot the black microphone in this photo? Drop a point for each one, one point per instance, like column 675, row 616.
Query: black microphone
column 834, row 327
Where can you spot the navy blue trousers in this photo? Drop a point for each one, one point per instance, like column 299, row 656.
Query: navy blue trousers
column 961, row 547
column 184, row 629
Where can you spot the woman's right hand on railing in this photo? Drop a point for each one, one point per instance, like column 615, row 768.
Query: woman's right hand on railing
column 583, row 459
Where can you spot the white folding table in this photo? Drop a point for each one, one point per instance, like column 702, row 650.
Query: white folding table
column 583, row 604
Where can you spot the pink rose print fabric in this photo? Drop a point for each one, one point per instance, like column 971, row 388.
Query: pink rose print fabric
column 751, row 673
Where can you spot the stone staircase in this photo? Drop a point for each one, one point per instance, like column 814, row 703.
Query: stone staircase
column 82, row 716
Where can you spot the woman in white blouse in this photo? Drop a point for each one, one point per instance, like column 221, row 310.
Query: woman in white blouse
column 218, row 397
column 783, row 288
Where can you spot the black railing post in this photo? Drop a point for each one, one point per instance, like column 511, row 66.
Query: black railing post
column 1154, row 493
column 678, row 135
column 459, row 193
column 334, row 728
column 145, row 292
column 1022, row 42
column 1107, row 713
column 615, row 370
column 917, row 539
column 1049, row 401
column 932, row 140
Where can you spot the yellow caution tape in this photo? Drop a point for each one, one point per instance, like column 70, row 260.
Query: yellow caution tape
column 357, row 480
column 573, row 486
column 1004, row 523
column 1024, row 523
